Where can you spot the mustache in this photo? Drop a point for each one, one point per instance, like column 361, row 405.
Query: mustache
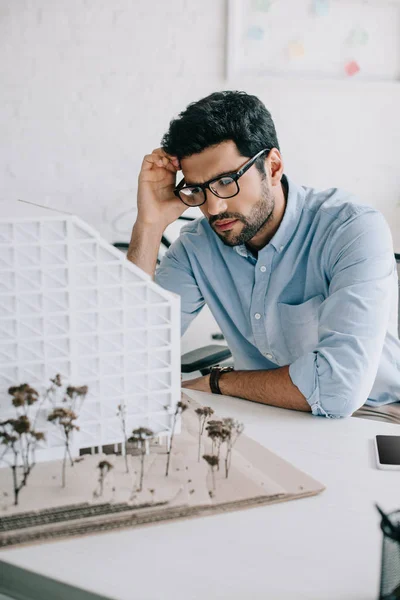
column 226, row 216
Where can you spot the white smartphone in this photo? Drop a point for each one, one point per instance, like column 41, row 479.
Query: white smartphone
column 387, row 451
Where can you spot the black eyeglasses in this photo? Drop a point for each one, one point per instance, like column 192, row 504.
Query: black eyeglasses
column 223, row 186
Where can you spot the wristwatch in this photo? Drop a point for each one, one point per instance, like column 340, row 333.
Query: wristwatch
column 215, row 374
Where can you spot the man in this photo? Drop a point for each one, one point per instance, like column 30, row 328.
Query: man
column 302, row 283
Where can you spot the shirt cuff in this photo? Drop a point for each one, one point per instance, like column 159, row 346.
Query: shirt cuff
column 304, row 375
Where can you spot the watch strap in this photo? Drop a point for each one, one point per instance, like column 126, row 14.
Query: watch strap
column 215, row 375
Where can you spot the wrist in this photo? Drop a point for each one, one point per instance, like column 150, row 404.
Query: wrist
column 215, row 378
column 148, row 227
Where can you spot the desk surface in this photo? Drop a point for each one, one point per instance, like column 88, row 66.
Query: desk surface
column 324, row 547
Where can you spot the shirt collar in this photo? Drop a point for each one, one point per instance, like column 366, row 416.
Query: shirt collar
column 294, row 206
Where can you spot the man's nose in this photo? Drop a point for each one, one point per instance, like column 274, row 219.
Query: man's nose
column 215, row 205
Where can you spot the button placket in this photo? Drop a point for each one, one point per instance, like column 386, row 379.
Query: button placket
column 262, row 277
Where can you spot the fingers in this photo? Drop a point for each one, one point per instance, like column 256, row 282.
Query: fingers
column 159, row 159
column 162, row 154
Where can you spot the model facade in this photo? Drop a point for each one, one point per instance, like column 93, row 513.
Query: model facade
column 71, row 304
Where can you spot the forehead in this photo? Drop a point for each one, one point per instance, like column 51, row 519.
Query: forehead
column 211, row 162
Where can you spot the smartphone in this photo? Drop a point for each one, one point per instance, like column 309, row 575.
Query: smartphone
column 387, row 451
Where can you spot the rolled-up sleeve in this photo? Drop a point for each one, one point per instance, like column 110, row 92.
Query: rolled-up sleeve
column 338, row 375
column 175, row 274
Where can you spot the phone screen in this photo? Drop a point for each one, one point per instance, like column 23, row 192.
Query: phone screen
column 388, row 449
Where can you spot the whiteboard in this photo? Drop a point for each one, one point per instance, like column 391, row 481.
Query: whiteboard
column 336, row 39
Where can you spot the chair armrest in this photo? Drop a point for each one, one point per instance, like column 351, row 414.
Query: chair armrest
column 203, row 358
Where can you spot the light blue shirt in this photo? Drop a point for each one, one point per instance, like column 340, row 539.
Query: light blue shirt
column 321, row 296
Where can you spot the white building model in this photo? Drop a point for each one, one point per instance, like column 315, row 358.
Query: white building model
column 70, row 303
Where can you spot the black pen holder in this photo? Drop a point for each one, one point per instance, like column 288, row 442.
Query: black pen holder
column 390, row 571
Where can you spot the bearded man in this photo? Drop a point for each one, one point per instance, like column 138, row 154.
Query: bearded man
column 302, row 283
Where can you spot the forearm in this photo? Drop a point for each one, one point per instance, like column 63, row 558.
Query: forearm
column 273, row 387
column 144, row 246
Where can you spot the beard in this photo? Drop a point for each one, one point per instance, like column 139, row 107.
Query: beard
column 260, row 214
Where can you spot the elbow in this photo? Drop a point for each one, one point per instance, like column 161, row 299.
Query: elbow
column 330, row 392
column 335, row 406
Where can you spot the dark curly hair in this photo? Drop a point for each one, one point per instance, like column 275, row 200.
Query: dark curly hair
column 222, row 116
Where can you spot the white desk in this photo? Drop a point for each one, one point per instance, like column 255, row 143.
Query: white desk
column 325, row 547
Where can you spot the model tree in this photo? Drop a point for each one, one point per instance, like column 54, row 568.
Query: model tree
column 234, row 430
column 104, row 468
column 141, row 436
column 121, row 412
column 203, row 414
column 65, row 416
column 213, row 461
column 180, row 408
column 218, row 433
column 65, row 419
column 75, row 396
column 19, row 438
column 54, row 388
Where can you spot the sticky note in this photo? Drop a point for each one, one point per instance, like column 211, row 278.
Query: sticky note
column 296, row 49
column 352, row 68
column 321, row 7
column 261, row 5
column 358, row 37
column 255, row 33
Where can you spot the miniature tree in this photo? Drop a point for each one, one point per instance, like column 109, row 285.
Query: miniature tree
column 104, row 468
column 75, row 396
column 218, row 434
column 121, row 412
column 203, row 413
column 213, row 424
column 19, row 437
column 213, row 462
column 234, row 429
column 64, row 418
column 57, row 380
column 56, row 384
column 141, row 435
column 49, row 394
column 180, row 408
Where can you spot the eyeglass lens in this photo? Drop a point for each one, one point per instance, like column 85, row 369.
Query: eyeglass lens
column 225, row 187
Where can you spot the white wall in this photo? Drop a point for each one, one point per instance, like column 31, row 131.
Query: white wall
column 88, row 87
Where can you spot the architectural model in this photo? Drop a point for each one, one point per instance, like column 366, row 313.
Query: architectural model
column 100, row 495
column 72, row 304
column 94, row 431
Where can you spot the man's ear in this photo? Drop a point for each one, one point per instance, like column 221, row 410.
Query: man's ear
column 274, row 166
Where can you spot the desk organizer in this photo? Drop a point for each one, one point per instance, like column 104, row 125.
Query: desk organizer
column 390, row 572
column 72, row 304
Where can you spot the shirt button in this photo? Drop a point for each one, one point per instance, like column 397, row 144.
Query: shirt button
column 257, row 316
column 268, row 355
column 263, row 269
column 281, row 247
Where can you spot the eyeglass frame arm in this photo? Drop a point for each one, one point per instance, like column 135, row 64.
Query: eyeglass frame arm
column 235, row 175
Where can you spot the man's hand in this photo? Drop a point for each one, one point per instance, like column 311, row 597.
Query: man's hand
column 157, row 205
column 201, row 384
column 157, row 208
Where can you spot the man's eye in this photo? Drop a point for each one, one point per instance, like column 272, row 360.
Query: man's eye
column 225, row 181
column 191, row 190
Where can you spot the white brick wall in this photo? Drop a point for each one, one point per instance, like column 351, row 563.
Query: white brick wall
column 89, row 86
